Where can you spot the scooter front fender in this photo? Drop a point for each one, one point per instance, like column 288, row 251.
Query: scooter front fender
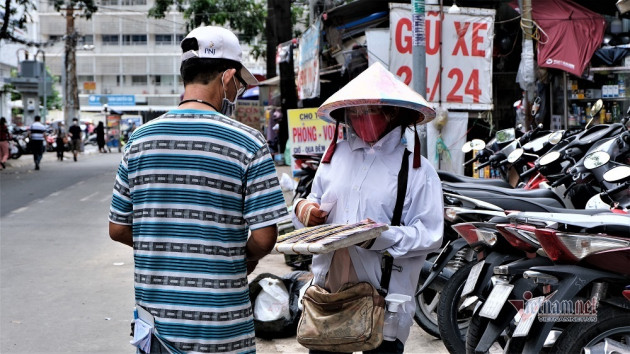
column 447, row 254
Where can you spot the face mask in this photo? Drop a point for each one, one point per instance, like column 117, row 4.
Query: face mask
column 227, row 106
column 369, row 126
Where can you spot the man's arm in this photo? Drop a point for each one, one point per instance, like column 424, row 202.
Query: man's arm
column 259, row 244
column 123, row 233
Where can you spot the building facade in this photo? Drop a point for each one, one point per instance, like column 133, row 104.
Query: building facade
column 124, row 58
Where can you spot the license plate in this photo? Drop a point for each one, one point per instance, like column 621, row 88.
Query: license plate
column 496, row 300
column 473, row 276
column 528, row 316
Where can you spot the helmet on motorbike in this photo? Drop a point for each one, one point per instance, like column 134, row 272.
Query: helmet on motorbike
column 375, row 87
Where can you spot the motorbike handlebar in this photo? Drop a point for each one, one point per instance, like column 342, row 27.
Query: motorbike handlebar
column 482, row 165
column 528, row 172
column 561, row 180
column 617, row 189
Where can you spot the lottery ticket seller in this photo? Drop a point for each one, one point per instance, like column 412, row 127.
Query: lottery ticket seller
column 359, row 178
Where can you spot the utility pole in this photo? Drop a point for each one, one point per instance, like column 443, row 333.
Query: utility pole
column 419, row 63
column 70, row 91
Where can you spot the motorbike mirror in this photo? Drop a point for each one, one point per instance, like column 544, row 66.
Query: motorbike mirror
column 515, row 155
column 467, row 147
column 505, row 135
column 617, row 174
column 596, row 107
column 555, row 137
column 478, row 144
column 548, row 158
column 596, row 159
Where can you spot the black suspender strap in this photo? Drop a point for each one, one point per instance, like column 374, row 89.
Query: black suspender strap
column 388, row 260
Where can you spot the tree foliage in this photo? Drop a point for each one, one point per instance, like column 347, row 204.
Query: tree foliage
column 17, row 13
column 246, row 17
column 15, row 17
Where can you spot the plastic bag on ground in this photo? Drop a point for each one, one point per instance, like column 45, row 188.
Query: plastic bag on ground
column 272, row 303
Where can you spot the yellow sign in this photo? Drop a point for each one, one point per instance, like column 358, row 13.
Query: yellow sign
column 308, row 134
column 89, row 85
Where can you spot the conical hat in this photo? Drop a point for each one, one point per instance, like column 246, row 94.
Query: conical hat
column 377, row 86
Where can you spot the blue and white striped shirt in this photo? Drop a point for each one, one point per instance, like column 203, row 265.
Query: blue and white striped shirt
column 191, row 183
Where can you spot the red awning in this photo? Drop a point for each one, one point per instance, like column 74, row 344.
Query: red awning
column 573, row 33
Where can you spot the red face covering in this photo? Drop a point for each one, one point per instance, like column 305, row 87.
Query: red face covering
column 369, row 124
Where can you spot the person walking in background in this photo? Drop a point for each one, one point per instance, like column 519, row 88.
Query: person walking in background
column 100, row 136
column 62, row 139
column 37, row 134
column 75, row 134
column 190, row 187
column 5, row 137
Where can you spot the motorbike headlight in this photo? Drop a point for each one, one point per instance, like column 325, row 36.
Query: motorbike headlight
column 548, row 158
column 596, row 159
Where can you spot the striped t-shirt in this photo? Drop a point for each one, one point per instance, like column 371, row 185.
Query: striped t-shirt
column 191, row 183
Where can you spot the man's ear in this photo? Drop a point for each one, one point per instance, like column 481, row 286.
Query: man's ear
column 227, row 78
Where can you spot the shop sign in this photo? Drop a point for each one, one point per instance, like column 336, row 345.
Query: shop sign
column 465, row 81
column 112, row 100
column 308, row 134
column 250, row 113
column 308, row 58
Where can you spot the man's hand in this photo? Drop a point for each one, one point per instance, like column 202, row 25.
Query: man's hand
column 309, row 213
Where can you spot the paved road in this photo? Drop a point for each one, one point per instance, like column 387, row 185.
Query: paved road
column 64, row 285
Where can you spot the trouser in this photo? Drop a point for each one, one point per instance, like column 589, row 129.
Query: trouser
column 38, row 150
column 4, row 151
column 60, row 148
column 387, row 347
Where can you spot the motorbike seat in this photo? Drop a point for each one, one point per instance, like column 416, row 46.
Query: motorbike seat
column 511, row 192
column 446, row 176
column 511, row 203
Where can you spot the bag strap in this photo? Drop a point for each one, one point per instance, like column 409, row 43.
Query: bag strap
column 388, row 260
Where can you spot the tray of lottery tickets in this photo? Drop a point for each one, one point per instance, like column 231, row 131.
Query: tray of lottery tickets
column 328, row 237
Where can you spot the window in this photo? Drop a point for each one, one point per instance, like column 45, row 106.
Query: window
column 163, row 39
column 110, row 39
column 86, row 40
column 134, row 39
column 109, row 2
column 83, row 78
column 179, row 38
column 138, row 80
column 55, row 37
column 120, row 80
column 133, row 2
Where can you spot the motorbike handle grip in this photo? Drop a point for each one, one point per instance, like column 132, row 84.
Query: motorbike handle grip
column 528, row 172
column 470, row 161
column 482, row 165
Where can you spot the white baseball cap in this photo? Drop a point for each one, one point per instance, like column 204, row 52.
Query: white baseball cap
column 218, row 43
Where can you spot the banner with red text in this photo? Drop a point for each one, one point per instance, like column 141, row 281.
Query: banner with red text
column 308, row 134
column 465, row 56
column 250, row 113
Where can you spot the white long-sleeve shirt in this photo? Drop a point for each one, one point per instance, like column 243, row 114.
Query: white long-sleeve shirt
column 362, row 183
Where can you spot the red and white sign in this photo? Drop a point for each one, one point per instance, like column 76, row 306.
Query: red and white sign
column 465, row 81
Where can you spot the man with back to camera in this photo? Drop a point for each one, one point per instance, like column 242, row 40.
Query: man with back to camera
column 75, row 135
column 37, row 135
column 190, row 186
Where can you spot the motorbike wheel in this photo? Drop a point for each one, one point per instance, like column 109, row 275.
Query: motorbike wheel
column 453, row 323
column 476, row 328
column 16, row 155
column 612, row 327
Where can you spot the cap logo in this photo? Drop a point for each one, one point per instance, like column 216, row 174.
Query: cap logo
column 210, row 49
